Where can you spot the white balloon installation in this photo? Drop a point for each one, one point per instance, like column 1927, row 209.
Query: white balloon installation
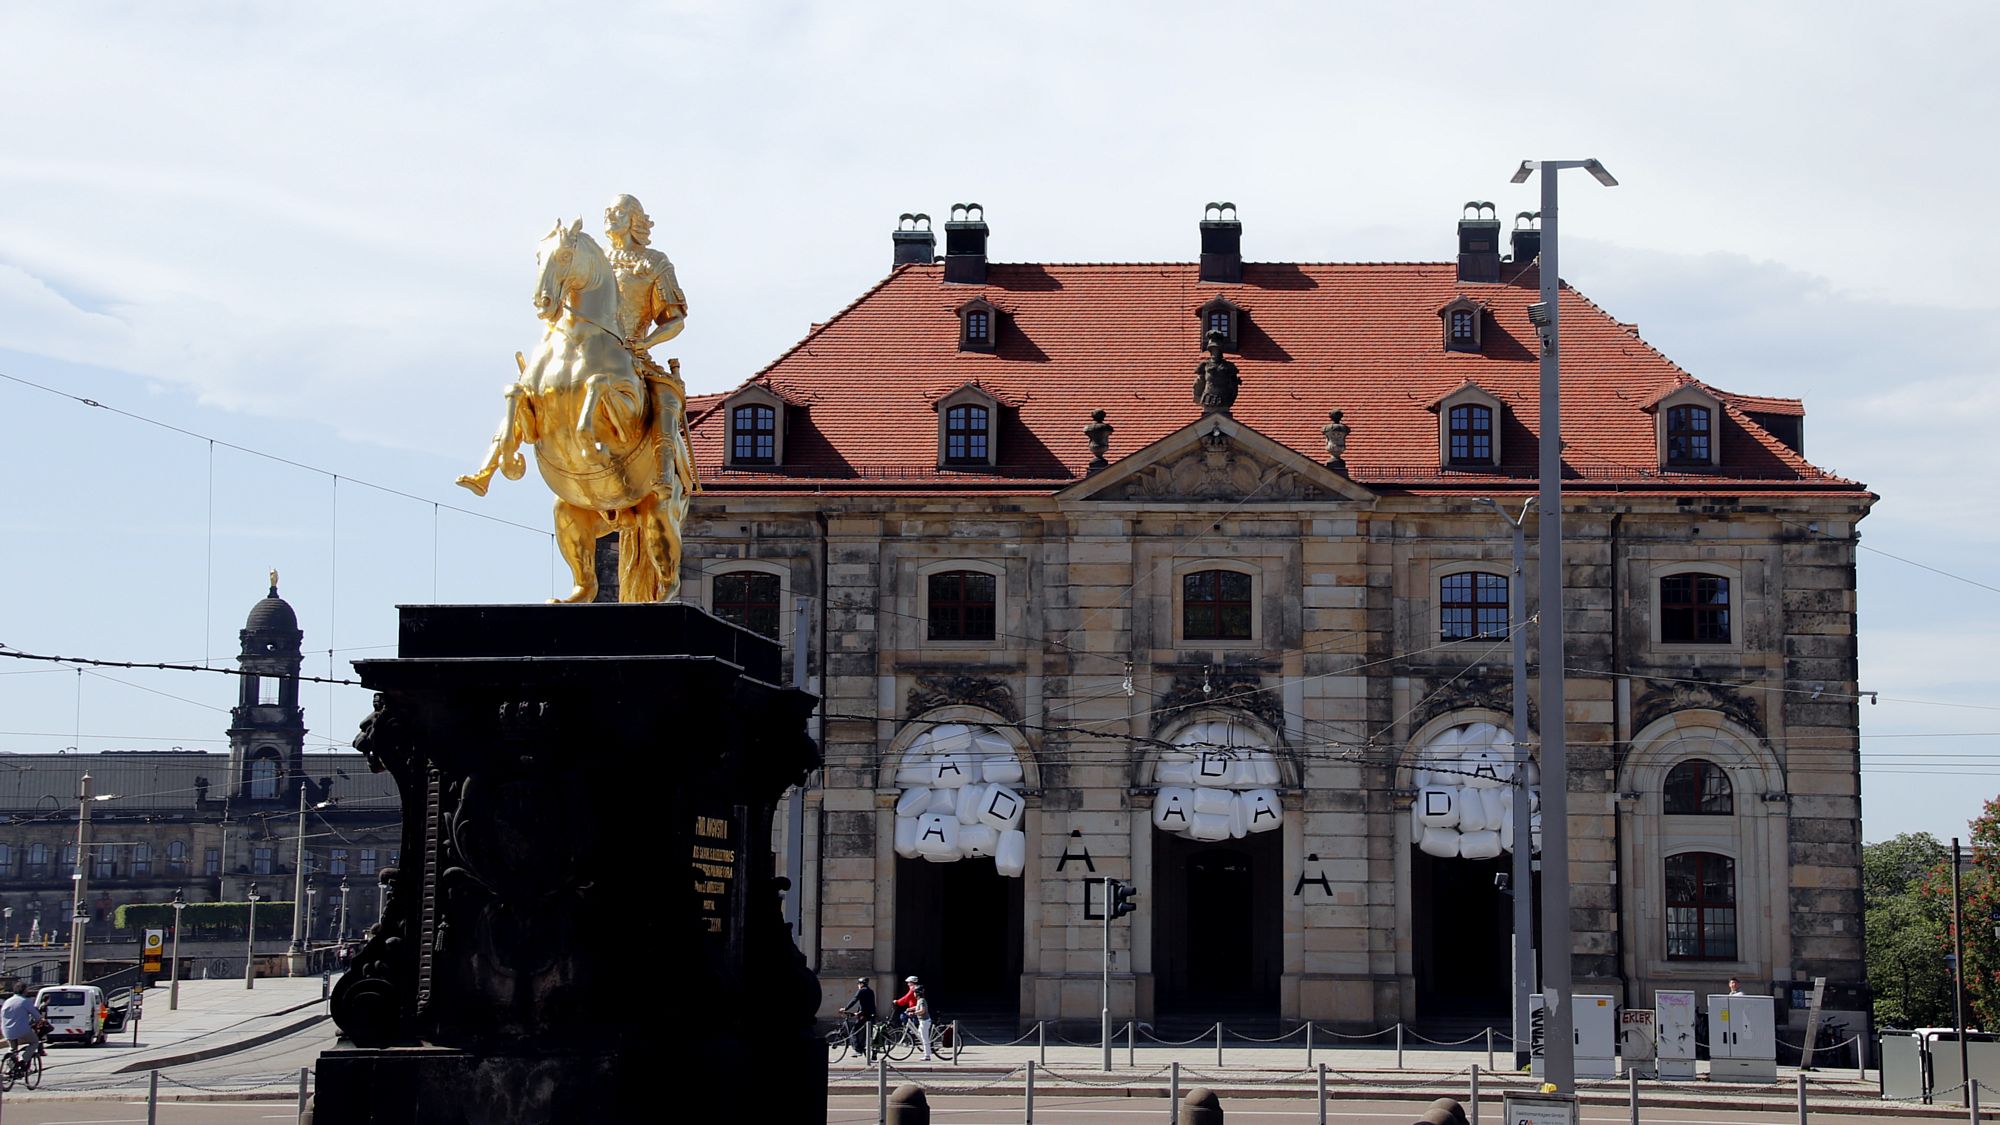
column 961, row 799
column 1217, row 783
column 1465, row 798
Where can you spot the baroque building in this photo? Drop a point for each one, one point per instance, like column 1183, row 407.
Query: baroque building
column 206, row 823
column 1183, row 573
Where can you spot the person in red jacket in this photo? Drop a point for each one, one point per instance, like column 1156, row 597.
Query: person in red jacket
column 907, row 1000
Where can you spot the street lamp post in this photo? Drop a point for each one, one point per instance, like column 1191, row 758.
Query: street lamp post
column 1958, row 976
column 174, row 979
column 299, row 889
column 250, row 941
column 1523, row 876
column 77, row 924
column 341, row 933
column 1559, row 1050
column 78, row 880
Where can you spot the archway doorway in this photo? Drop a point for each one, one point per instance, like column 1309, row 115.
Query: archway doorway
column 958, row 926
column 1217, row 948
column 1463, row 924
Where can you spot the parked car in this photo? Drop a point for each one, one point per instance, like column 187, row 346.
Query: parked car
column 75, row 1013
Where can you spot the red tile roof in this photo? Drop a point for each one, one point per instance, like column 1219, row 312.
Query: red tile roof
column 1125, row 338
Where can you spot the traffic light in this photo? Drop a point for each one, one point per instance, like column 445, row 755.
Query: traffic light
column 1122, row 895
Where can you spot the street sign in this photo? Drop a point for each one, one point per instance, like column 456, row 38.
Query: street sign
column 1540, row 1109
column 149, row 955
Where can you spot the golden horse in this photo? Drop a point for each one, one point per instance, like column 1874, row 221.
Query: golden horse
column 609, row 428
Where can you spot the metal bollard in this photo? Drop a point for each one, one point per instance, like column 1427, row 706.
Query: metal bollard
column 1474, row 1099
column 882, row 1090
column 1218, row 1044
column 1861, row 1057
column 1201, row 1107
column 1319, row 1090
column 909, row 1106
column 1309, row 1044
column 1489, row 1048
column 153, row 1098
column 1632, row 1092
column 1399, row 1044
column 304, row 1074
column 1971, row 1099
column 1042, row 1042
column 1028, row 1107
column 957, row 1044
column 1173, row 1093
column 1802, row 1099
column 1132, row 1044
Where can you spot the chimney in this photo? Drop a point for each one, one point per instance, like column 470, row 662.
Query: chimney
column 1478, row 243
column 915, row 244
column 1221, row 244
column 1527, row 237
column 965, row 245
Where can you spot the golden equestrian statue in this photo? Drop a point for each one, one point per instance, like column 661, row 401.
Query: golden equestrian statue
column 609, row 426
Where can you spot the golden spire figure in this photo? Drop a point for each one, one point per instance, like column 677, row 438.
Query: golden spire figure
column 608, row 425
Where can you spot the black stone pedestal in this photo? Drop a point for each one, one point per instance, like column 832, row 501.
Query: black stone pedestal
column 541, row 957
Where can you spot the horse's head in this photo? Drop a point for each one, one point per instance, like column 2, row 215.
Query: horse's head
column 570, row 261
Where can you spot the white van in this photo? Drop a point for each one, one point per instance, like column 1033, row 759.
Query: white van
column 75, row 1013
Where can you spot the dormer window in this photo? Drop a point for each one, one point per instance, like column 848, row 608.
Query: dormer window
column 967, row 420
column 978, row 325
column 1687, row 423
column 1224, row 316
column 1468, row 428
column 1464, row 322
column 756, row 419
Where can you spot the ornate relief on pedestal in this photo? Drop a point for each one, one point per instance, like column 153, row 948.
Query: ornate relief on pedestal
column 1659, row 702
column 932, row 692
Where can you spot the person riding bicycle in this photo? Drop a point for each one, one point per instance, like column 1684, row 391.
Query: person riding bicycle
column 860, row 1013
column 18, row 1017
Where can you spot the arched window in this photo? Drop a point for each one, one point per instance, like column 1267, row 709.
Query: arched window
column 38, row 861
column 1471, row 434
column 1698, row 788
column 1701, row 907
column 748, row 598
column 1215, row 605
column 264, row 777
column 965, row 430
column 142, row 859
column 177, row 857
column 6, row 862
column 1694, row 609
column 104, row 864
column 753, row 435
column 961, row 606
column 1472, row 605
column 1688, row 437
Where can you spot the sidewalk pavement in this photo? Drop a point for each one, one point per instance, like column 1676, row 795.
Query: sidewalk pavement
column 215, row 1017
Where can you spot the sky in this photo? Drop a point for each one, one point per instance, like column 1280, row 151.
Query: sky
column 308, row 231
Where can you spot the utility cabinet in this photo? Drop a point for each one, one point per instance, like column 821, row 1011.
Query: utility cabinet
column 1742, row 1038
column 1676, row 1033
column 1595, row 1020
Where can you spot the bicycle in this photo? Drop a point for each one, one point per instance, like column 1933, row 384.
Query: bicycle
column 840, row 1040
column 28, row 1071
column 900, row 1040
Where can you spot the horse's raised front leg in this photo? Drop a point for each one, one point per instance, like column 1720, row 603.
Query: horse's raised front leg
column 612, row 411
column 504, row 453
column 577, row 530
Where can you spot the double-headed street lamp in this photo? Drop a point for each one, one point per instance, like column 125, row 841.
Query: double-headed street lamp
column 299, row 884
column 174, row 987
column 79, row 912
column 1559, row 1045
column 1523, row 877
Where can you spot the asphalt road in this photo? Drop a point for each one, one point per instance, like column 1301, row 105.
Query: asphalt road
column 860, row 1110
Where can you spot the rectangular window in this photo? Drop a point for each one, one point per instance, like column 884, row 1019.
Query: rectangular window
column 368, row 861
column 1701, row 907
column 69, row 857
column 6, row 862
column 962, row 606
column 1694, row 609
column 748, row 598
column 336, row 864
column 1471, row 435
column 103, row 863
column 965, row 434
column 142, row 859
column 1215, row 605
column 267, row 690
column 1688, row 435
column 211, row 861
column 1472, row 606
column 260, row 861
column 753, row 435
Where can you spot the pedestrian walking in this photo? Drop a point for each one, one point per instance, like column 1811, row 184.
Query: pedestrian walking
column 860, row 1013
column 921, row 1010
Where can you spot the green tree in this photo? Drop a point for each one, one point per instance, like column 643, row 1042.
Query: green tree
column 1908, row 929
column 1979, row 888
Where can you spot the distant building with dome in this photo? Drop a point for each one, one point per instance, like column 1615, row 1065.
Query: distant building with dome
column 205, row 822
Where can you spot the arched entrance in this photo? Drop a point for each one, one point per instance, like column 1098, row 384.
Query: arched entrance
column 1461, row 905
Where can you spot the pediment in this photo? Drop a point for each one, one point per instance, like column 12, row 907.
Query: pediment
column 1216, row 459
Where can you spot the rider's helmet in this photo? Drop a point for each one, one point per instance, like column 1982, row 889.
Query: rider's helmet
column 909, row 980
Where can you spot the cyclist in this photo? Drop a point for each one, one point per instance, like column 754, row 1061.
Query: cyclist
column 17, row 1024
column 860, row 1013
column 905, row 1003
